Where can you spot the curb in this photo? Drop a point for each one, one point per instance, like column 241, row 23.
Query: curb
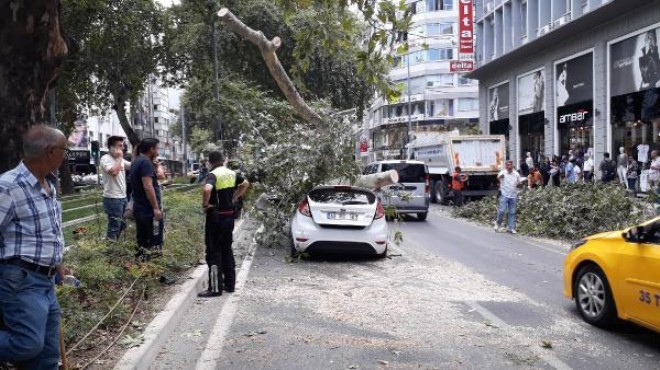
column 156, row 333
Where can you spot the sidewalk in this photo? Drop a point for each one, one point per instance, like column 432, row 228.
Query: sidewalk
column 166, row 321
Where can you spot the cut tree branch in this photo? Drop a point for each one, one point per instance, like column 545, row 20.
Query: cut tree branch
column 268, row 51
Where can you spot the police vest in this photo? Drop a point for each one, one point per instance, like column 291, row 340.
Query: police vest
column 225, row 184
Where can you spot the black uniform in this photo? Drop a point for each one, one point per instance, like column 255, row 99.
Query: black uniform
column 220, row 227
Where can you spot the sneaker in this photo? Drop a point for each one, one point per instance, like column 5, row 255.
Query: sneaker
column 232, row 290
column 513, row 231
column 208, row 294
column 496, row 227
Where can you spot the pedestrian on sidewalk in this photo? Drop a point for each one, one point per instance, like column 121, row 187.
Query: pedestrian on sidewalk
column 534, row 180
column 607, row 169
column 458, row 180
column 588, row 169
column 222, row 188
column 555, row 173
column 147, row 201
column 114, row 168
column 510, row 181
column 31, row 252
column 544, row 169
column 631, row 174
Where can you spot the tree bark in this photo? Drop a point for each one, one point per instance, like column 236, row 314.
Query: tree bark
column 268, row 52
column 32, row 49
column 120, row 106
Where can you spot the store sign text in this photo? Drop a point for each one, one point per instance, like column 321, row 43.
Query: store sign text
column 573, row 117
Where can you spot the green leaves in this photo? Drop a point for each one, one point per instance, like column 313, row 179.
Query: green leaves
column 569, row 212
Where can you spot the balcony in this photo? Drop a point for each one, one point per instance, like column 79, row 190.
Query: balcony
column 562, row 20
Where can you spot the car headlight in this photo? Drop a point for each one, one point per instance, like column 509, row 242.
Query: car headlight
column 578, row 244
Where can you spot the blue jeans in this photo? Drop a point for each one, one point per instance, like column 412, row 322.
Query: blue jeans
column 31, row 315
column 510, row 204
column 114, row 208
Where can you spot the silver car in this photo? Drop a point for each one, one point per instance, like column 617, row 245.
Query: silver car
column 412, row 194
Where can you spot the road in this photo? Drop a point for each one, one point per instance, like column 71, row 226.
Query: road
column 453, row 295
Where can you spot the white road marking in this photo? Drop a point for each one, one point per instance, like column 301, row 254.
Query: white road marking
column 213, row 349
column 542, row 353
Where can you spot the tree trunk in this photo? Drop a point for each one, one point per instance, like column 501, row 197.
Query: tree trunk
column 120, row 106
column 32, row 49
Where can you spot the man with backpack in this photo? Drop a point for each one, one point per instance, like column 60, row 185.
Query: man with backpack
column 607, row 169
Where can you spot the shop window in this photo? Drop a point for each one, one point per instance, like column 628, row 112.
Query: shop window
column 466, row 105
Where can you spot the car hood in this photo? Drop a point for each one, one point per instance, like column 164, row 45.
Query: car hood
column 606, row 235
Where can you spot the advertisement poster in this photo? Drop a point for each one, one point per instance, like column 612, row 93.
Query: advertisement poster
column 574, row 80
column 635, row 64
column 465, row 27
column 531, row 92
column 79, row 137
column 498, row 102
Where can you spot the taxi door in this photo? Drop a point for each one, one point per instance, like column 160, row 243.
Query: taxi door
column 639, row 279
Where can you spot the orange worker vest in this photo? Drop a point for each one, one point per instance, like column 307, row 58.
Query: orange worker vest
column 456, row 184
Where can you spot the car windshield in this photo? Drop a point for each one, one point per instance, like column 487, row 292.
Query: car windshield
column 408, row 172
column 342, row 196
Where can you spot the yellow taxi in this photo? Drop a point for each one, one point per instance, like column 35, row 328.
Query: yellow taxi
column 617, row 275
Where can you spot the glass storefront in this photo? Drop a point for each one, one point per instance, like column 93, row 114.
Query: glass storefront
column 532, row 135
column 636, row 121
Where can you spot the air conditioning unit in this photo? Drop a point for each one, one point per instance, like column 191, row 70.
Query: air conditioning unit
column 489, row 6
column 543, row 30
column 524, row 39
column 586, row 7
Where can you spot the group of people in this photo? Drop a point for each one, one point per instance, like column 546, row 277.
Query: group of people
column 573, row 168
column 32, row 240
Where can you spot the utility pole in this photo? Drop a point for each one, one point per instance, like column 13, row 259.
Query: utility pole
column 183, row 137
column 409, row 109
column 216, row 69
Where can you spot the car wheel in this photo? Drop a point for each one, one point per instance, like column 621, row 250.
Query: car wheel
column 422, row 216
column 440, row 192
column 593, row 297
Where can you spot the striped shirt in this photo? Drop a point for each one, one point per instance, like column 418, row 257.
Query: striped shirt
column 30, row 219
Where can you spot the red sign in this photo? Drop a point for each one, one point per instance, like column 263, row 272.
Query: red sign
column 466, row 27
column 461, row 65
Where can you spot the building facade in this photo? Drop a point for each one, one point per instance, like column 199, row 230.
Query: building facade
column 569, row 75
column 434, row 96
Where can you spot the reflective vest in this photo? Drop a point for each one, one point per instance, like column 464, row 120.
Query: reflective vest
column 223, row 190
column 456, row 184
column 224, row 178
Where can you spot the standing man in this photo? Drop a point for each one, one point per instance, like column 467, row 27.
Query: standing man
column 147, row 199
column 607, row 168
column 31, row 250
column 114, row 168
column 222, row 188
column 458, row 180
column 588, row 169
column 510, row 181
column 654, row 170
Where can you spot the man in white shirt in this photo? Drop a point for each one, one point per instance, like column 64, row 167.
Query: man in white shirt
column 654, row 171
column 588, row 168
column 510, row 181
column 114, row 168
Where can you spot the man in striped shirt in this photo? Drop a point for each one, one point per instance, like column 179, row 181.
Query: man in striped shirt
column 31, row 249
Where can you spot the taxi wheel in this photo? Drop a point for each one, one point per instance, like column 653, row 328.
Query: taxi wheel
column 593, row 297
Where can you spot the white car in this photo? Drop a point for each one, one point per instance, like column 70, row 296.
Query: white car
column 340, row 220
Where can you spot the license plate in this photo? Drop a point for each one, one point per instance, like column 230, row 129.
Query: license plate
column 342, row 216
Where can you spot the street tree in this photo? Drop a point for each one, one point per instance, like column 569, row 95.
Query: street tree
column 120, row 45
column 32, row 48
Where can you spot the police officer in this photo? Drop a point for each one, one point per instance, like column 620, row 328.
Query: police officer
column 222, row 188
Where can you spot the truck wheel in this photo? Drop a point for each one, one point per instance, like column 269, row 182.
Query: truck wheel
column 440, row 192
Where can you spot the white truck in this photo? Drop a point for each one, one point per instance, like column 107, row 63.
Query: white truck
column 481, row 157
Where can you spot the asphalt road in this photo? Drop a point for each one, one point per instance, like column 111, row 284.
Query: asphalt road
column 454, row 295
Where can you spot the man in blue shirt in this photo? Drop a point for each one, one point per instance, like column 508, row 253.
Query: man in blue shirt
column 31, row 250
column 147, row 199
